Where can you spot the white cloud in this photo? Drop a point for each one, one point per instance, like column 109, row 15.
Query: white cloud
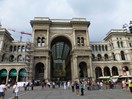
column 103, row 14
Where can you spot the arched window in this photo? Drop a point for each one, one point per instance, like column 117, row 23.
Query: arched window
column 3, row 57
column 106, row 57
column 15, row 48
column 122, row 55
column 11, row 48
column 43, row 41
column 82, row 41
column 19, row 49
column 118, row 44
column 23, row 48
column 106, row 48
column 98, row 72
column 96, row 48
column 99, row 57
column 102, row 47
column 11, row 58
column 113, row 56
column 39, row 41
column 106, row 71
column 114, row 71
column 27, row 59
column 112, row 45
column 121, row 44
column 93, row 57
column 19, row 58
column 93, row 47
column 78, row 41
column 99, row 48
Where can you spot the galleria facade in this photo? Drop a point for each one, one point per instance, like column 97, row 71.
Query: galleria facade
column 61, row 50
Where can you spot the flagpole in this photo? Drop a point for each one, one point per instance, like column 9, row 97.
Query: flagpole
column 21, row 38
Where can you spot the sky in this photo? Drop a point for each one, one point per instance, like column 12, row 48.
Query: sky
column 102, row 14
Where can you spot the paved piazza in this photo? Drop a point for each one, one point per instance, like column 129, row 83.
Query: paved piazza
column 47, row 93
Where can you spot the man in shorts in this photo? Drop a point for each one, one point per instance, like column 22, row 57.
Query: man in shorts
column 2, row 90
column 15, row 90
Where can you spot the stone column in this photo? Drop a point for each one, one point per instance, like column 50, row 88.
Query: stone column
column 87, row 38
column 91, row 67
column 46, row 68
column 102, row 71
column 110, row 71
column 7, row 78
column 72, row 69
column 75, row 68
column 49, row 67
column 17, row 77
column 74, row 38
column 88, row 71
column 47, row 43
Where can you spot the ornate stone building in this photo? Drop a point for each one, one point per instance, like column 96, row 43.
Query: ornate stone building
column 61, row 50
column 12, row 58
column 113, row 54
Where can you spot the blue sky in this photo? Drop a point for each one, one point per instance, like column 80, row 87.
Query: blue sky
column 102, row 14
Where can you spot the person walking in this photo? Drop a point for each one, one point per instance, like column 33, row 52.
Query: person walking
column 64, row 85
column 124, row 85
column 42, row 84
column 82, row 88
column 72, row 85
column 130, row 85
column 77, row 88
column 15, row 90
column 2, row 90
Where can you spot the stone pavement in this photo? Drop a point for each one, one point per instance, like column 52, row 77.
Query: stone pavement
column 47, row 93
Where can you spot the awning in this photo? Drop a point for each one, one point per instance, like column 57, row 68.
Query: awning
column 22, row 73
column 3, row 73
column 13, row 72
column 104, row 77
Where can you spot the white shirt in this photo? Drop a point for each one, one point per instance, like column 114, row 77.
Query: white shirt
column 101, row 84
column 2, row 87
column 16, row 88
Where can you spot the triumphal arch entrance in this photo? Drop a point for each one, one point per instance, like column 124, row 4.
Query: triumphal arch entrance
column 62, row 50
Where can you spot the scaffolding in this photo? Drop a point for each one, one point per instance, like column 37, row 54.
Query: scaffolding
column 29, row 60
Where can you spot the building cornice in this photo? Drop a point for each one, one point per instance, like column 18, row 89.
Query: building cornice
column 46, row 20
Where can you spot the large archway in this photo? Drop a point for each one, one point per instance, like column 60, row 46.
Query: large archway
column 60, row 58
column 106, row 71
column 114, row 71
column 12, row 76
column 98, row 72
column 22, row 75
column 83, row 70
column 3, row 75
column 39, row 71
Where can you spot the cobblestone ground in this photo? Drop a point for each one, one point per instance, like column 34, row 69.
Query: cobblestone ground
column 60, row 93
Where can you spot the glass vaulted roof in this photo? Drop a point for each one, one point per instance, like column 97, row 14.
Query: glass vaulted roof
column 60, row 51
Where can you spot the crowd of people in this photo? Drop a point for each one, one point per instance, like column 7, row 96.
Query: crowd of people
column 77, row 86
